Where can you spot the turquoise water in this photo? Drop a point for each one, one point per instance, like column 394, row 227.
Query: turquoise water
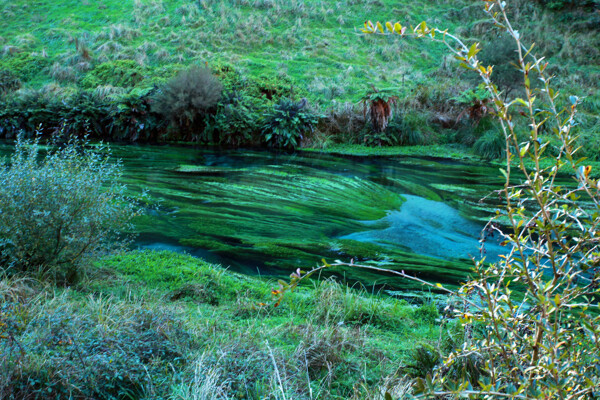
column 269, row 213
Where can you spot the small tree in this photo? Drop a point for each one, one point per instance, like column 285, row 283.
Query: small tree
column 379, row 105
column 187, row 99
column 60, row 208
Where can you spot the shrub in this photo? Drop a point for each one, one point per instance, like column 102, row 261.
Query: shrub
column 93, row 348
column 287, row 123
column 491, row 145
column 9, row 81
column 424, row 358
column 132, row 119
column 237, row 122
column 407, row 130
column 502, row 56
column 24, row 65
column 121, row 73
column 187, row 99
column 59, row 209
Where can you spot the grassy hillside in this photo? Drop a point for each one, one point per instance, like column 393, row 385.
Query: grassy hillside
column 107, row 52
column 313, row 44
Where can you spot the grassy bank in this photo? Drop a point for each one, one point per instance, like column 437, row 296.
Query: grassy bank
column 165, row 325
column 82, row 66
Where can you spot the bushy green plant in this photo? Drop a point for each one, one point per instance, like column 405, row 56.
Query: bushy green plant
column 122, row 73
column 237, row 122
column 59, row 208
column 501, row 54
column 286, row 124
column 408, row 130
column 132, row 119
column 271, row 87
column 26, row 66
column 490, row 146
column 9, row 81
column 423, row 359
column 187, row 99
column 93, row 349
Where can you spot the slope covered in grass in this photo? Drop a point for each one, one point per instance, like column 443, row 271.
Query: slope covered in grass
column 100, row 59
column 158, row 325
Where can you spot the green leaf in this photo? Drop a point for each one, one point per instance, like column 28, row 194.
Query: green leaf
column 473, row 50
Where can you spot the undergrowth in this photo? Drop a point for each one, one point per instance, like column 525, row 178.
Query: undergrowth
column 164, row 325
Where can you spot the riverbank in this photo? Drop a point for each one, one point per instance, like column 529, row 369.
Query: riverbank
column 165, row 325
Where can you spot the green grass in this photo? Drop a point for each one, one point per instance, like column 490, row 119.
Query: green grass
column 313, row 42
column 312, row 47
column 455, row 152
column 128, row 329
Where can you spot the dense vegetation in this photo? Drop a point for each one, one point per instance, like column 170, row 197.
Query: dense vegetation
column 80, row 319
column 108, row 68
column 157, row 325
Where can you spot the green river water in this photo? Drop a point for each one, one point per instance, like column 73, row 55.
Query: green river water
column 267, row 213
column 260, row 212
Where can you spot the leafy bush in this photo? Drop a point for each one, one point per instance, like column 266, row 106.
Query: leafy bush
column 9, row 81
column 237, row 122
column 501, row 54
column 57, row 212
column 187, row 99
column 271, row 87
column 24, row 65
column 287, row 123
column 122, row 73
column 95, row 348
column 491, row 145
column 424, row 358
column 132, row 119
column 407, row 130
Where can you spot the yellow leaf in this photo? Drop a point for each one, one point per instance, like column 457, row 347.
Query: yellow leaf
column 389, row 26
column 472, row 50
column 398, row 28
column 379, row 26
